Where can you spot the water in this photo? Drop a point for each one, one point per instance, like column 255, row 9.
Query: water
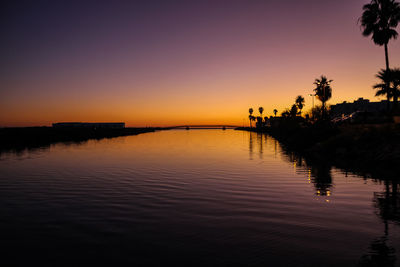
column 198, row 197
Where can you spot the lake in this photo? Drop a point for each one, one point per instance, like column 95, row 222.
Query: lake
column 197, row 197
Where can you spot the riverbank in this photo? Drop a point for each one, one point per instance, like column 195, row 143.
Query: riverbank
column 35, row 137
column 368, row 149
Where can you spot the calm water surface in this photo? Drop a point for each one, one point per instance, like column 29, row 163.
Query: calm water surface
column 198, row 197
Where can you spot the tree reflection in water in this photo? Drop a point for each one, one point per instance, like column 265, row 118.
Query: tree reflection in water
column 322, row 179
column 318, row 173
column 388, row 202
column 251, row 145
column 387, row 205
column 260, row 139
column 380, row 254
column 380, row 251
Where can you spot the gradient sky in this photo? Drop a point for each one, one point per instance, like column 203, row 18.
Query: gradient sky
column 155, row 63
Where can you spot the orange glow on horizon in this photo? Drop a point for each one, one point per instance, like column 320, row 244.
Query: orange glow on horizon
column 226, row 105
column 210, row 70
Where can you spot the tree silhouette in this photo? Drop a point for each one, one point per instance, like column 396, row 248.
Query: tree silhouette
column 390, row 85
column 275, row 111
column 395, row 86
column 384, row 86
column 261, row 110
column 380, row 19
column 251, row 115
column 323, row 91
column 293, row 110
column 253, row 118
column 316, row 113
column 300, row 103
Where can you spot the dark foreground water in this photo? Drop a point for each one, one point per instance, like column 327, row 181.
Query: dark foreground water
column 198, row 197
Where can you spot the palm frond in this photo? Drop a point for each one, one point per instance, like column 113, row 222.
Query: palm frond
column 380, row 19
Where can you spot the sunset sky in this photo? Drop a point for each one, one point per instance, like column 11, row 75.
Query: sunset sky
column 156, row 63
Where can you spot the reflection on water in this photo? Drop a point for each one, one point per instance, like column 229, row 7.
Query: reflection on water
column 318, row 173
column 381, row 252
column 387, row 203
column 25, row 149
column 205, row 197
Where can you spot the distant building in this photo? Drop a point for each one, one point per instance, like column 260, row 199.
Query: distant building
column 361, row 104
column 114, row 125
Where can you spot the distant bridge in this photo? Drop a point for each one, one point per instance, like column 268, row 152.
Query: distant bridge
column 188, row 127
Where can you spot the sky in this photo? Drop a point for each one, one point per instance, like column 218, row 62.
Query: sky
column 159, row 63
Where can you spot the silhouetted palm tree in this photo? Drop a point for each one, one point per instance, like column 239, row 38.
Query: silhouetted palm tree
column 390, row 86
column 380, row 19
column 261, row 110
column 275, row 111
column 251, row 115
column 395, row 80
column 253, row 118
column 323, row 91
column 384, row 87
column 300, row 103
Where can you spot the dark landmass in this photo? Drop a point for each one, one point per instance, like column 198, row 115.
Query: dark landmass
column 19, row 139
column 369, row 150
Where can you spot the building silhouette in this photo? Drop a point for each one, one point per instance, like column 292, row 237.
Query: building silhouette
column 361, row 104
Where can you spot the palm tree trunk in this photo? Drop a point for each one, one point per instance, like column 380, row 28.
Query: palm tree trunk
column 386, row 56
column 387, row 69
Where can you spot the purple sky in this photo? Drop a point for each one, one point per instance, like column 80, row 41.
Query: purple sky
column 168, row 62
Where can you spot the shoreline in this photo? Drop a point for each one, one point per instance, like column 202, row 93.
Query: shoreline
column 363, row 149
column 21, row 138
column 369, row 150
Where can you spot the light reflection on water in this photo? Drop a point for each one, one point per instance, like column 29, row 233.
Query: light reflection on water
column 197, row 197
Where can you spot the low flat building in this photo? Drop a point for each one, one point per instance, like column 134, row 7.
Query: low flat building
column 361, row 104
column 113, row 125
